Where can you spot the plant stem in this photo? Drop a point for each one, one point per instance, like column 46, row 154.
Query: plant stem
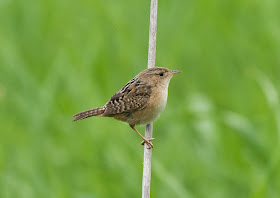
column 146, row 182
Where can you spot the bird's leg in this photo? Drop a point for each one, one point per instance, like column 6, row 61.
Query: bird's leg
column 145, row 140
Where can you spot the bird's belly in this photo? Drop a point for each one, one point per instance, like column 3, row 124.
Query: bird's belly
column 152, row 115
column 152, row 111
column 141, row 117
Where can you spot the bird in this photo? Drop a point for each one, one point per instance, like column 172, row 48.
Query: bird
column 138, row 102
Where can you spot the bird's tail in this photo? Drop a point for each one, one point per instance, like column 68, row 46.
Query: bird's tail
column 85, row 114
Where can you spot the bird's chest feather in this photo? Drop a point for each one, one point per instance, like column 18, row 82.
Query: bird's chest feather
column 158, row 100
column 156, row 105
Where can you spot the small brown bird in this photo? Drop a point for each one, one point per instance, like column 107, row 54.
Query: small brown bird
column 139, row 102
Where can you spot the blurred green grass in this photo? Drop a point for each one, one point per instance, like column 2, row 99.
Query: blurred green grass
column 218, row 137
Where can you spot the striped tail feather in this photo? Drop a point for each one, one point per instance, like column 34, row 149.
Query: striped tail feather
column 89, row 113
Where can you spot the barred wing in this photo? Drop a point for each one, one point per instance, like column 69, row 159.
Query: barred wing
column 133, row 96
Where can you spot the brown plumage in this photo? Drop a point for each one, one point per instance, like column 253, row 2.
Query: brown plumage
column 140, row 101
column 85, row 114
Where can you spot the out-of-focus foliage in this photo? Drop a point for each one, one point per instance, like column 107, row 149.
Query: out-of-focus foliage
column 218, row 137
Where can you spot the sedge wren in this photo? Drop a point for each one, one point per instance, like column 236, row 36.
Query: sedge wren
column 139, row 102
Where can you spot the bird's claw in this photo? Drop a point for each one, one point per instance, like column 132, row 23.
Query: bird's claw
column 149, row 144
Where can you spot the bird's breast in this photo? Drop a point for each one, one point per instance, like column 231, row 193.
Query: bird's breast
column 158, row 100
column 155, row 106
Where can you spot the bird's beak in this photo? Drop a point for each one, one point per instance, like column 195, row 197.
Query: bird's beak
column 175, row 71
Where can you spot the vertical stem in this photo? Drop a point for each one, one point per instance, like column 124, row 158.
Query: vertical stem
column 146, row 182
column 147, row 166
column 152, row 34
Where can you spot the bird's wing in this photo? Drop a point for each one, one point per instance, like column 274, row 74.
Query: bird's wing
column 133, row 96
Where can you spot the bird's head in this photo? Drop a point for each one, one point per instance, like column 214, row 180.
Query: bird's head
column 157, row 76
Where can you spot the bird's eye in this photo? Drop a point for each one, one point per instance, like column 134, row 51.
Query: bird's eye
column 161, row 73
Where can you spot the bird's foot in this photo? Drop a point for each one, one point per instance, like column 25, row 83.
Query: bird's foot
column 149, row 144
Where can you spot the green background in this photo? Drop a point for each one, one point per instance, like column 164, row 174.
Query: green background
column 219, row 135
